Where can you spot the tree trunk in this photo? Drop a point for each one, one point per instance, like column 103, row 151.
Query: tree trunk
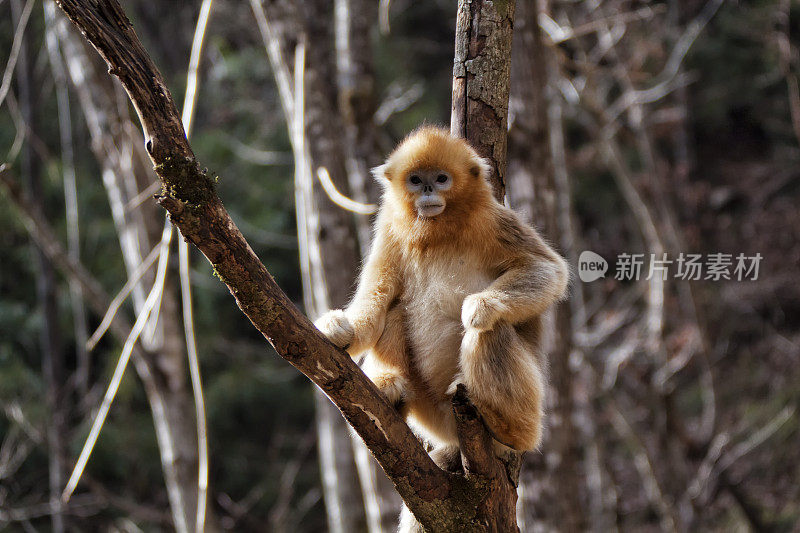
column 355, row 20
column 328, row 245
column 58, row 68
column 355, row 28
column 481, row 81
column 481, row 86
column 534, row 190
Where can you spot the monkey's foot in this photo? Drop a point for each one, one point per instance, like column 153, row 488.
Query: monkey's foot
column 458, row 380
column 393, row 386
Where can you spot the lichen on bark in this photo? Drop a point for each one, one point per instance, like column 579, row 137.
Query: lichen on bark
column 183, row 179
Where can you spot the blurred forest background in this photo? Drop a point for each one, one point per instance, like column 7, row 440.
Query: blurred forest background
column 635, row 126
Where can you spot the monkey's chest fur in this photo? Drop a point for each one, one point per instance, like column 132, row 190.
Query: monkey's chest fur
column 433, row 293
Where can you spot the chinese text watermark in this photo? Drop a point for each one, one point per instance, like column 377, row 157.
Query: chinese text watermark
column 689, row 267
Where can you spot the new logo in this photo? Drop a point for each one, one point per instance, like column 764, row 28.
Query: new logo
column 591, row 266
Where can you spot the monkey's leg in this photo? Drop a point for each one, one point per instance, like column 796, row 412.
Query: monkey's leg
column 504, row 379
column 387, row 364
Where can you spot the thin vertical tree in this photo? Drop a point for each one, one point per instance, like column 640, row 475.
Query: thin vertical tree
column 326, row 234
column 46, row 289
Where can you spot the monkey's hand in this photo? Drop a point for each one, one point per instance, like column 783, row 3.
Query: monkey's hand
column 337, row 327
column 480, row 311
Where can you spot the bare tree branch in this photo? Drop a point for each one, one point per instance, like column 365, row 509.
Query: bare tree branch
column 340, row 199
column 8, row 73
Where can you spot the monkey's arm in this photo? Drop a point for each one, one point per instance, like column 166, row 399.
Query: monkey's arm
column 358, row 327
column 534, row 277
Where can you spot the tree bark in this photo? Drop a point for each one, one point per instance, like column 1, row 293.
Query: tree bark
column 441, row 501
column 481, row 86
column 481, row 77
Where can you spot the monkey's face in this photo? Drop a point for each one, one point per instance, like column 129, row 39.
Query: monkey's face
column 427, row 188
column 435, row 177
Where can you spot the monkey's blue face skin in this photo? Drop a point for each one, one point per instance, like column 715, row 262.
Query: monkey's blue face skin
column 427, row 186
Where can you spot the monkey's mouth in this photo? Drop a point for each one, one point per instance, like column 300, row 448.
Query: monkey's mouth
column 428, row 210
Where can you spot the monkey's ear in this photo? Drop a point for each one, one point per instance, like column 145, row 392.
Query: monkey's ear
column 482, row 167
column 379, row 173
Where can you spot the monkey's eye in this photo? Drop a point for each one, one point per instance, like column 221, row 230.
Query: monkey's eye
column 441, row 178
column 415, row 180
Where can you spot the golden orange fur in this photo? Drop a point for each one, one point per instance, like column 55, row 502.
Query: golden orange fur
column 452, row 298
